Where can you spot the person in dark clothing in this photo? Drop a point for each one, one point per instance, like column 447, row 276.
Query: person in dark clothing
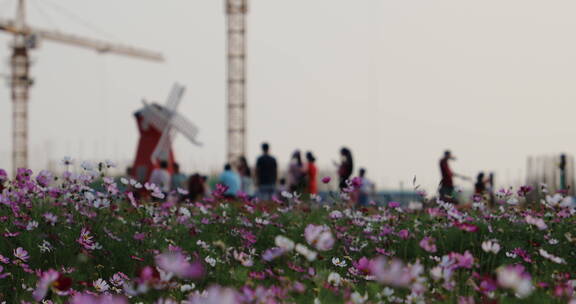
column 480, row 185
column 562, row 167
column 196, row 189
column 447, row 183
column 346, row 167
column 491, row 189
column 266, row 174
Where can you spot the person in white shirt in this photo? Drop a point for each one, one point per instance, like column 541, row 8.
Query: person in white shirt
column 161, row 177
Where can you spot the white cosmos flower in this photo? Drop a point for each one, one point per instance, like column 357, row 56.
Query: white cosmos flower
column 358, row 298
column 491, row 246
column 45, row 246
column 67, row 160
column 88, row 166
column 32, row 225
column 337, row 262
column 210, row 260
column 551, row 257
column 101, row 285
column 334, row 279
column 101, row 203
column 187, row 287
column 310, row 255
column 284, row 243
column 184, row 211
column 110, row 163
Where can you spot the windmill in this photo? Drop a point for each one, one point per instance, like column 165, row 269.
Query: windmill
column 158, row 125
column 26, row 38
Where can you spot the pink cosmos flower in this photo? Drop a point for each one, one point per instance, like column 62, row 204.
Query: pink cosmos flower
column 516, row 278
column 467, row 227
column 393, row 204
column 51, row 279
column 427, row 243
column 272, row 253
column 3, row 176
column 118, row 279
column 5, row 274
column 50, row 218
column 176, row 263
column 319, row 236
column 538, row 222
column 243, row 258
column 21, row 254
column 4, row 259
column 216, row 295
column 465, row 260
column 404, row 234
column 83, row 298
column 139, row 236
column 362, row 266
column 44, row 178
column 390, row 272
column 86, row 240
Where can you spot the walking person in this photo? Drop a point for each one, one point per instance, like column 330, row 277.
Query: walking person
column 231, row 180
column 311, row 174
column 246, row 184
column 446, row 191
column 266, row 174
column 345, row 168
column 295, row 172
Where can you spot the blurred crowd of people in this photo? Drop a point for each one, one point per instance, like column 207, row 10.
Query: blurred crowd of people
column 263, row 180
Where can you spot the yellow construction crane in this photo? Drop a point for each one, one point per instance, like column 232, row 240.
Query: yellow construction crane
column 25, row 38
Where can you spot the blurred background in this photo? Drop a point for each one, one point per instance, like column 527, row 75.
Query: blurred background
column 397, row 82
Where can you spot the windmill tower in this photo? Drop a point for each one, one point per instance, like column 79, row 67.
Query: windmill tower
column 236, row 49
column 25, row 39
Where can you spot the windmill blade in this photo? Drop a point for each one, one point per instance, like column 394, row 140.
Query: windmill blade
column 186, row 127
column 162, row 150
column 175, row 97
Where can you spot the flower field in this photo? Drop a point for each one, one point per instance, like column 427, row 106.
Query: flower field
column 86, row 238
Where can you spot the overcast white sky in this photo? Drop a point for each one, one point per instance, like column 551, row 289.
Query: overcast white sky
column 397, row 81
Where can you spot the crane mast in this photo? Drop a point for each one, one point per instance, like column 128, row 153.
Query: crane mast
column 25, row 38
column 236, row 86
column 20, row 82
